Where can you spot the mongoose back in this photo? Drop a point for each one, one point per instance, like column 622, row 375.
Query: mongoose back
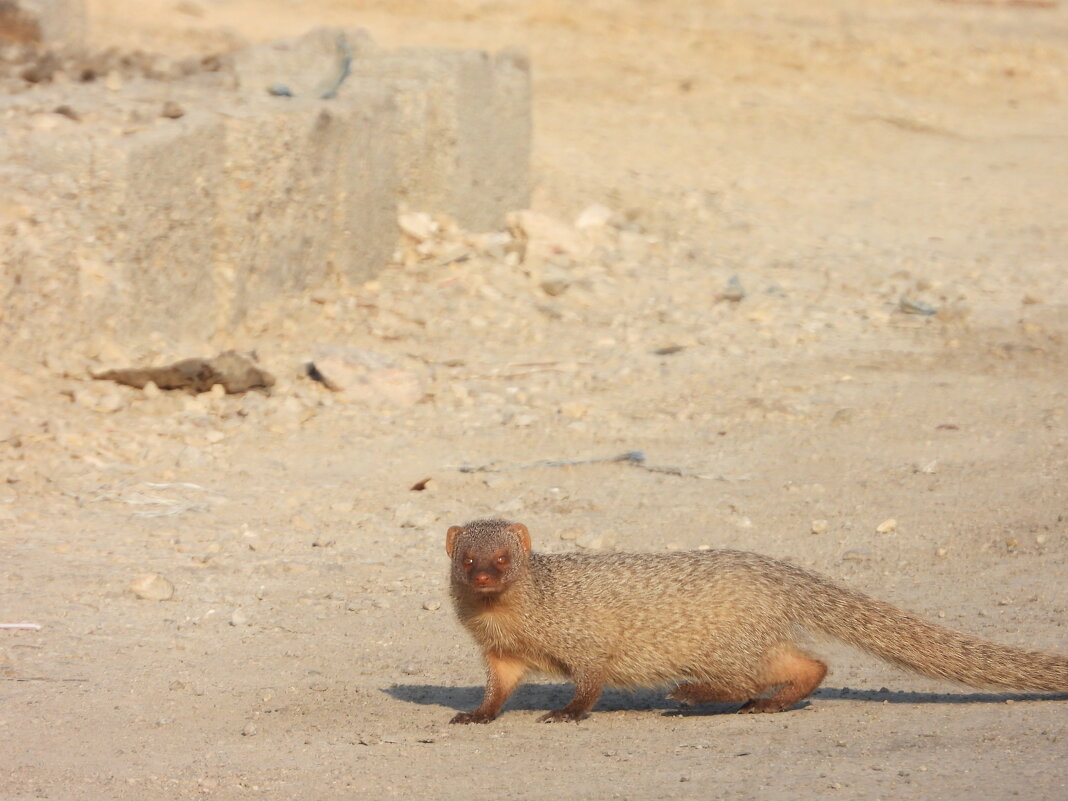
column 722, row 626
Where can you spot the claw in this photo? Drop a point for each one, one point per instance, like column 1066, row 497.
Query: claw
column 471, row 717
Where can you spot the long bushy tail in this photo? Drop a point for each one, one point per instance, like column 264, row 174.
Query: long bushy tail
column 905, row 640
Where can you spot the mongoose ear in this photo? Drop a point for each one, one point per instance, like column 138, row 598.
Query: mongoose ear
column 524, row 536
column 450, row 538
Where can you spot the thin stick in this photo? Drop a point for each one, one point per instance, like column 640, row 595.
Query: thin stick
column 28, row 626
column 629, row 456
column 634, row 458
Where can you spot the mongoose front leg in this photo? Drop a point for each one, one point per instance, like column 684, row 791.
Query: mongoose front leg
column 504, row 673
column 588, row 688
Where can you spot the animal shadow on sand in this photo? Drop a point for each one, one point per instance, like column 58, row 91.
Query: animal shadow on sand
column 542, row 697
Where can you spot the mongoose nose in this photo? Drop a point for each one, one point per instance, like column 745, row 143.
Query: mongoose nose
column 482, row 579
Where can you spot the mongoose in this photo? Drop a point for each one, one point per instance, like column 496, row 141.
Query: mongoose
column 721, row 625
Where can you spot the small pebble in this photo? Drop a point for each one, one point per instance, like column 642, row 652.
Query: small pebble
column 819, row 526
column 419, row 225
column 843, row 415
column 555, row 286
column 431, row 606
column 590, row 541
column 172, row 110
column 85, row 398
column 887, row 526
column 152, row 587
column 909, row 306
column 250, row 730
column 594, row 216
column 239, row 618
column 733, row 292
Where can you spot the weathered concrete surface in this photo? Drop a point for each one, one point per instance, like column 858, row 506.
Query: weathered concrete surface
column 185, row 204
column 308, row 192
column 462, row 129
column 476, row 101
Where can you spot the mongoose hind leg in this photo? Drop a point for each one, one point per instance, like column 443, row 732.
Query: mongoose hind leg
column 796, row 675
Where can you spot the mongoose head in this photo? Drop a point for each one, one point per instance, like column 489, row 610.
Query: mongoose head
column 487, row 555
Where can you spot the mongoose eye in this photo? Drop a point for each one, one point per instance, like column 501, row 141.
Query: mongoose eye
column 468, row 561
column 502, row 560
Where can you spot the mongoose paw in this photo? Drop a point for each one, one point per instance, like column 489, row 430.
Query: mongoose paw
column 562, row 716
column 763, row 705
column 472, row 717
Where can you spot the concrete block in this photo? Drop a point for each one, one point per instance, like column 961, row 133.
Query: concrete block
column 139, row 211
column 463, row 140
column 308, row 193
column 154, row 198
column 507, row 135
column 39, row 286
column 52, row 23
column 462, row 128
column 179, row 225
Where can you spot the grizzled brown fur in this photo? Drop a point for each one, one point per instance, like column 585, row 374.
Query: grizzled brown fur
column 722, row 625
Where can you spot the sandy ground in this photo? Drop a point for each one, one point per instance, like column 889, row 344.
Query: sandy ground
column 834, row 157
